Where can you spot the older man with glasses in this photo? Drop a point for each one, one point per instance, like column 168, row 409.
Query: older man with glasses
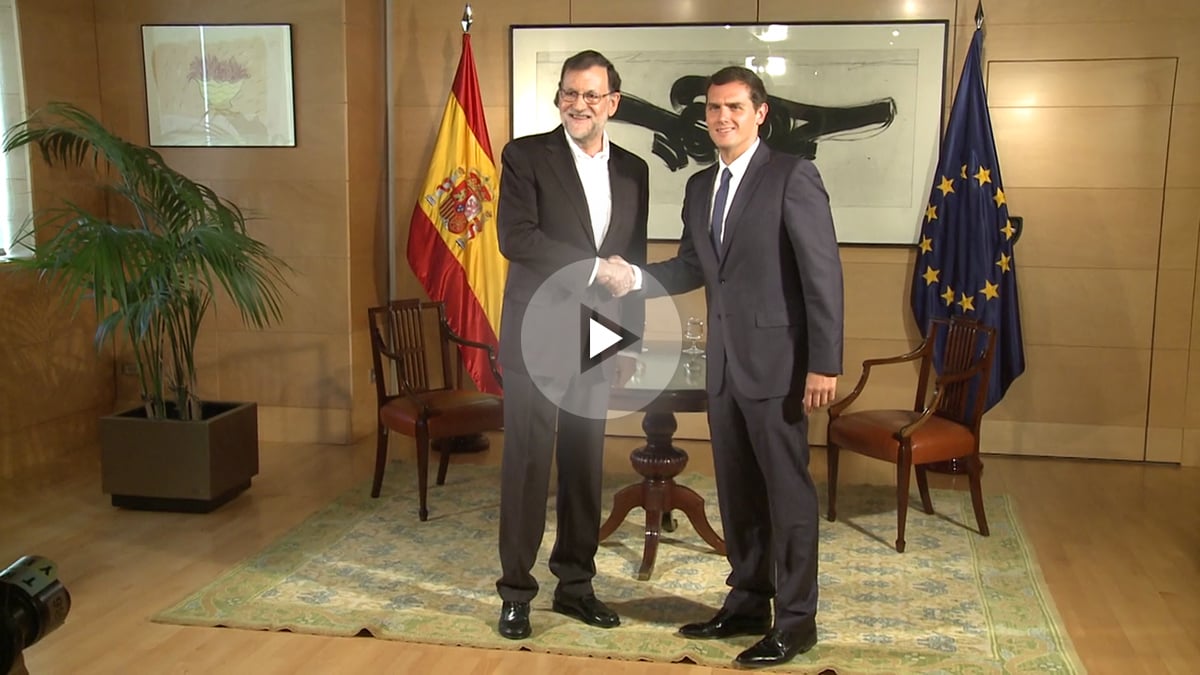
column 568, row 196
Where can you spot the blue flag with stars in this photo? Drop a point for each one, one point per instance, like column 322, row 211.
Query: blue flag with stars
column 965, row 257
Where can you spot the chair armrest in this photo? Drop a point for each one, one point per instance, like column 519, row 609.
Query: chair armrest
column 838, row 406
column 911, row 356
column 938, row 391
column 907, row 431
column 491, row 351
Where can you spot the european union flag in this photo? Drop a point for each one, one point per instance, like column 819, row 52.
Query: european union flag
column 965, row 260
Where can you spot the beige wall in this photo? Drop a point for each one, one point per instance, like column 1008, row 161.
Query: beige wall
column 1097, row 115
column 314, row 204
column 1096, row 110
column 366, row 103
column 53, row 383
column 304, row 372
column 318, row 205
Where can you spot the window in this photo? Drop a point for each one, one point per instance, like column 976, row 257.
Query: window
column 16, row 203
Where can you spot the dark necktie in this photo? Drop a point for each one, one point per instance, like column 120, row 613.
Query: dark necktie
column 718, row 212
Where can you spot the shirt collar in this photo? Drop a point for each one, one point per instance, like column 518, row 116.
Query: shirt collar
column 580, row 155
column 738, row 166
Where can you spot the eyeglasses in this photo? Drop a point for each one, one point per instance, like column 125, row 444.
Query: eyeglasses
column 589, row 97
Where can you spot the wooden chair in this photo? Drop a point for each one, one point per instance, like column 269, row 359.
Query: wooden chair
column 411, row 346
column 938, row 429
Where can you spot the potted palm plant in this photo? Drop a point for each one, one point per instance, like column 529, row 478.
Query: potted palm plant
column 151, row 266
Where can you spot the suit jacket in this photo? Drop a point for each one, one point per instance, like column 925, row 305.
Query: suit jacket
column 775, row 290
column 544, row 225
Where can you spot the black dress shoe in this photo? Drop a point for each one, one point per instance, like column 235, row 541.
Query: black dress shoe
column 587, row 609
column 727, row 624
column 779, row 646
column 514, row 620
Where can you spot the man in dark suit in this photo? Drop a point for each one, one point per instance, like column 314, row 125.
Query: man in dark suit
column 758, row 235
column 569, row 199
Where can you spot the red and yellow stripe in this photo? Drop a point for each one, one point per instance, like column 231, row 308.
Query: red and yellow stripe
column 452, row 243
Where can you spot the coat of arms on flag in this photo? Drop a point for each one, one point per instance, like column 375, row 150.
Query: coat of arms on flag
column 464, row 203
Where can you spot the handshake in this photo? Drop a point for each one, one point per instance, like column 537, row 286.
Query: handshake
column 616, row 275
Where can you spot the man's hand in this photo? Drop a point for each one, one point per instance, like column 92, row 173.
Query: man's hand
column 616, row 275
column 819, row 391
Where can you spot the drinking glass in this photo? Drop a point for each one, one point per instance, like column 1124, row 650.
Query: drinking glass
column 693, row 370
column 639, row 371
column 693, row 332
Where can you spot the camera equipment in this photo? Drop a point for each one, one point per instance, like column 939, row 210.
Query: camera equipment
column 33, row 602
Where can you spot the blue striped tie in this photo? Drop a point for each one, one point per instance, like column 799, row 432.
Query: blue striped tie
column 718, row 213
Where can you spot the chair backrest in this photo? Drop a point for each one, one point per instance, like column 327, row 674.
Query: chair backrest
column 409, row 348
column 952, row 346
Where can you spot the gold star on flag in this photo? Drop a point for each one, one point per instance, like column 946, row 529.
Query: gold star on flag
column 1004, row 262
column 983, row 176
column 930, row 276
column 1008, row 229
column 931, row 213
column 963, row 173
column 926, row 245
column 990, row 290
column 999, row 198
column 947, row 186
column 967, row 303
column 948, row 296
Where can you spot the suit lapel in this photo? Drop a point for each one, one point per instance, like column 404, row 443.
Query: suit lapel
column 744, row 195
column 703, row 192
column 624, row 202
column 562, row 165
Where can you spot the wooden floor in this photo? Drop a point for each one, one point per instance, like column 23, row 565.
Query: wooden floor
column 1119, row 545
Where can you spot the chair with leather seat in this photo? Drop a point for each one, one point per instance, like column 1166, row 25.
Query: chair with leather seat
column 412, row 347
column 939, row 429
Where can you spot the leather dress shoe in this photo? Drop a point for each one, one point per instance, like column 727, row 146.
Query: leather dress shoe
column 779, row 646
column 587, row 609
column 727, row 624
column 514, row 620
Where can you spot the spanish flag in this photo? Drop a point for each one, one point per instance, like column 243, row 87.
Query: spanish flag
column 452, row 242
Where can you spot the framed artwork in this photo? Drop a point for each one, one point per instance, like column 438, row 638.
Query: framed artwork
column 864, row 101
column 220, row 85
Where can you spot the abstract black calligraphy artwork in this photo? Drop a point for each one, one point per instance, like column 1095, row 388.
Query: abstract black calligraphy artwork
column 862, row 100
column 791, row 126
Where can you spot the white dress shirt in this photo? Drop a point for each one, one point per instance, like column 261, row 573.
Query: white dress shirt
column 593, row 174
column 737, row 170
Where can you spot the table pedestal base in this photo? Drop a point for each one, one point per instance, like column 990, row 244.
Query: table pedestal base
column 658, row 462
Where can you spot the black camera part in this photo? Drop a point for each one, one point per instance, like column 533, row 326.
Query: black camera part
column 33, row 603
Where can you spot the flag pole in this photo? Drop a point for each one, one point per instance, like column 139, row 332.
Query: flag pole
column 965, row 264
column 469, row 442
column 453, row 246
column 979, row 25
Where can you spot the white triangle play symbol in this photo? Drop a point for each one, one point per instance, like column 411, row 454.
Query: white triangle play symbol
column 600, row 338
column 605, row 337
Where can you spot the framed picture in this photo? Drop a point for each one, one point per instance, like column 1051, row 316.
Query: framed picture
column 864, row 101
column 224, row 85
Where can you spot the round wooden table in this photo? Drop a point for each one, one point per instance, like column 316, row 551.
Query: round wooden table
column 659, row 461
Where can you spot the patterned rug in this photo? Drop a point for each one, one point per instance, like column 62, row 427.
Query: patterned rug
column 955, row 602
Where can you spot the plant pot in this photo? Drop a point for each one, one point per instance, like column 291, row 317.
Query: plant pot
column 170, row 465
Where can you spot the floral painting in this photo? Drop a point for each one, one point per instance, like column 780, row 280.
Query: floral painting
column 219, row 85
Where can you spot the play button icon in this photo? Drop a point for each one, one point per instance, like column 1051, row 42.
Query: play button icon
column 570, row 325
column 602, row 338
